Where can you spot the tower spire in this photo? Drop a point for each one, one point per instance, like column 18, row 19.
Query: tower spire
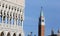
column 41, row 11
column 41, row 26
column 42, row 19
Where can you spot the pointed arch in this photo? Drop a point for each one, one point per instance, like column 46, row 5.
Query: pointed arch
column 2, row 33
column 19, row 34
column 8, row 34
column 14, row 34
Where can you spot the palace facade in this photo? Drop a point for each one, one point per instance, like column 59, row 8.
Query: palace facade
column 11, row 17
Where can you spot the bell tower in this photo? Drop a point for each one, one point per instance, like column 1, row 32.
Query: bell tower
column 41, row 25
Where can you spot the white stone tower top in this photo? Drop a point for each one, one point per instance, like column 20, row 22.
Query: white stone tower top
column 42, row 17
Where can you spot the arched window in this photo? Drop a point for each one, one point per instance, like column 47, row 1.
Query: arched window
column 19, row 34
column 14, row 34
column 2, row 34
column 13, row 17
column 1, row 16
column 12, row 7
column 3, row 5
column 4, row 16
column 6, row 6
column 16, row 18
column 20, row 10
column 7, row 16
column 0, row 3
column 8, row 34
column 10, row 17
column 9, row 7
column 19, row 19
column 17, row 9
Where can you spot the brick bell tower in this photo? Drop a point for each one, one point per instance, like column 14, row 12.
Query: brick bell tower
column 41, row 25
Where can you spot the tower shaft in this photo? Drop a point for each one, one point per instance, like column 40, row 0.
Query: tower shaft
column 41, row 26
column 41, row 30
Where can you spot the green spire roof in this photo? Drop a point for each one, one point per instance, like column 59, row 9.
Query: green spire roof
column 41, row 11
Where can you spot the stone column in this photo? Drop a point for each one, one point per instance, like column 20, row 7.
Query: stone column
column 15, row 19
column 22, row 24
column 9, row 18
column 12, row 16
column 21, row 18
column 5, row 33
column 3, row 16
column 6, row 17
column 11, row 33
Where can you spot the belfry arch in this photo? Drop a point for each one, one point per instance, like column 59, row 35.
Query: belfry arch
column 2, row 34
column 14, row 34
column 8, row 34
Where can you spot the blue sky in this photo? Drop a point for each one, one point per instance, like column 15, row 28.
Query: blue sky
column 51, row 10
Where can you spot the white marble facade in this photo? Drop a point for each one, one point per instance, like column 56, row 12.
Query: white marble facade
column 11, row 17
